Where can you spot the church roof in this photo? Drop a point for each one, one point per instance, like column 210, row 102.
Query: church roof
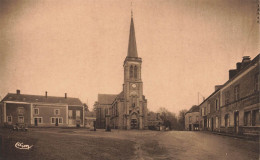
column 120, row 95
column 132, row 49
column 41, row 99
column 106, row 98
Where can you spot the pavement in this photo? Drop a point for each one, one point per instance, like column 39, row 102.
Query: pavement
column 57, row 143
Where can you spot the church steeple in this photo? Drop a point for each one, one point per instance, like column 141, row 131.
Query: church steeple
column 132, row 49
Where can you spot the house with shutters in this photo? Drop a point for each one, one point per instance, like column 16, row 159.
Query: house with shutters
column 41, row 110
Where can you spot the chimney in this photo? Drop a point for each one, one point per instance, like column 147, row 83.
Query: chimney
column 232, row 73
column 65, row 95
column 46, row 94
column 18, row 91
column 246, row 60
column 239, row 64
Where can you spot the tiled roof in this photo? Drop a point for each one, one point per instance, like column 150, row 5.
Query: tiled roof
column 106, row 98
column 41, row 99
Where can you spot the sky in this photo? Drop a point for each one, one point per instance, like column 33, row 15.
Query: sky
column 78, row 47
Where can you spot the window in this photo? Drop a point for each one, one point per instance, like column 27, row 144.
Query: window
column 20, row 110
column 256, row 82
column 20, row 119
column 190, row 119
column 36, row 111
column 227, row 97
column 197, row 118
column 116, row 110
column 236, row 92
column 131, row 72
column 52, row 120
column 56, row 120
column 78, row 113
column 106, row 111
column 226, row 120
column 70, row 113
column 60, row 120
column 208, row 108
column 9, row 118
column 216, row 104
column 255, row 118
column 40, row 120
column 135, row 72
column 216, row 122
column 247, row 118
column 56, row 111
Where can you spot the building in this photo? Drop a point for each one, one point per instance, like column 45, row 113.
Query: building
column 154, row 121
column 192, row 118
column 128, row 109
column 234, row 106
column 90, row 120
column 42, row 111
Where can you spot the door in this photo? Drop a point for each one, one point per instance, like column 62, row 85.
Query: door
column 205, row 123
column 189, row 127
column 56, row 121
column 134, row 124
column 35, row 122
column 236, row 121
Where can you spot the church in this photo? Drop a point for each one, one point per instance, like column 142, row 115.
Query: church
column 128, row 109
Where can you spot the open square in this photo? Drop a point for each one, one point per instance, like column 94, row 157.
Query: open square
column 59, row 143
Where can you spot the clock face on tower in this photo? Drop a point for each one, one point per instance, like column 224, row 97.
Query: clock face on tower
column 133, row 85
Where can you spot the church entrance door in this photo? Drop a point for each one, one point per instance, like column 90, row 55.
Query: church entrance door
column 134, row 124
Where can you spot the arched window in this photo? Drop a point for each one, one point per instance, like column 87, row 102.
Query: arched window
column 131, row 72
column 135, row 72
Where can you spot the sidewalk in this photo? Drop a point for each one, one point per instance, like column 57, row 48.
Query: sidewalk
column 247, row 137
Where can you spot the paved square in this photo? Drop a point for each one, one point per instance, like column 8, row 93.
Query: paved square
column 57, row 143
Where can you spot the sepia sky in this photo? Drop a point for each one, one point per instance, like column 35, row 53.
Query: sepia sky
column 78, row 47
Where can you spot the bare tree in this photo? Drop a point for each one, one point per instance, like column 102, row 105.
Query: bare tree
column 169, row 119
column 181, row 119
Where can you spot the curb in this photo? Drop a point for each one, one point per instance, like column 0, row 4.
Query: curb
column 252, row 138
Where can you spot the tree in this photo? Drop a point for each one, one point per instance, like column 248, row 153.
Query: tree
column 181, row 119
column 169, row 119
column 86, row 107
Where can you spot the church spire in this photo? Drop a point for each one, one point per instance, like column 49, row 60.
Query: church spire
column 132, row 49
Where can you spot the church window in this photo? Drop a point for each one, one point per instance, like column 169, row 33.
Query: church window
column 131, row 72
column 135, row 72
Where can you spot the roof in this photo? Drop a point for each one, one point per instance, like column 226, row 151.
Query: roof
column 106, row 98
column 132, row 49
column 254, row 61
column 120, row 95
column 90, row 114
column 42, row 99
column 194, row 108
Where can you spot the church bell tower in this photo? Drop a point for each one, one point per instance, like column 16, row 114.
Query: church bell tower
column 135, row 102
